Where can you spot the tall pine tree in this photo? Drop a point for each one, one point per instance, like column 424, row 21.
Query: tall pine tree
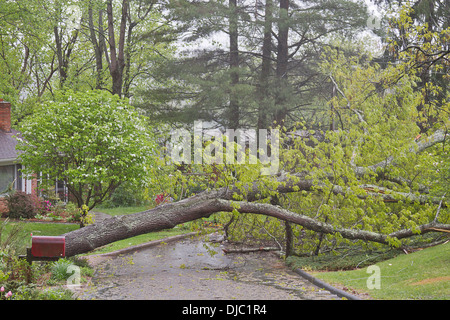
column 256, row 63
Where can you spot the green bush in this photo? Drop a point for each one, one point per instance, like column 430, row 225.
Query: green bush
column 55, row 294
column 30, row 292
column 125, row 196
column 21, row 205
column 59, row 269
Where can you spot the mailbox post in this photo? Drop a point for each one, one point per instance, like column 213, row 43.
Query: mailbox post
column 45, row 248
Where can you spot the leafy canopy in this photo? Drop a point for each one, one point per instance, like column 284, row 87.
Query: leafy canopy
column 93, row 141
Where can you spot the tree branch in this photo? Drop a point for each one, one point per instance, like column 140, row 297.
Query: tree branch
column 438, row 137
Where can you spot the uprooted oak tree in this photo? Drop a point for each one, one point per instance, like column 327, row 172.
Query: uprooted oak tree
column 377, row 177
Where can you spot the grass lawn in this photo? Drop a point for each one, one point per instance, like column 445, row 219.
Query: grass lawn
column 121, row 210
column 422, row 274
column 23, row 238
column 47, row 229
column 143, row 238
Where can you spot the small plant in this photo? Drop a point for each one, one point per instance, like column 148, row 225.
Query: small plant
column 60, row 269
column 75, row 217
column 21, row 270
column 72, row 212
column 12, row 240
column 74, row 271
column 55, row 294
column 86, row 217
column 7, row 295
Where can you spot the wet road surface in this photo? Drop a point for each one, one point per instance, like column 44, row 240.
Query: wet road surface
column 195, row 269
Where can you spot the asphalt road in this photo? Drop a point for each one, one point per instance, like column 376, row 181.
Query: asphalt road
column 194, row 269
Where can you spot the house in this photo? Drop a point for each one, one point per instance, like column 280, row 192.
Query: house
column 10, row 173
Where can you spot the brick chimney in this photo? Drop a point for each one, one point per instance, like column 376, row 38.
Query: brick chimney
column 5, row 116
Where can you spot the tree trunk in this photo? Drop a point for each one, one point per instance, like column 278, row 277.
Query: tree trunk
column 263, row 90
column 289, row 239
column 98, row 45
column 233, row 113
column 117, row 57
column 282, row 62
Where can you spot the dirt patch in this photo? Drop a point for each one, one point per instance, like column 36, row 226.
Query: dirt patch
column 430, row 280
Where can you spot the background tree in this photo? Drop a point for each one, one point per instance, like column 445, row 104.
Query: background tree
column 411, row 30
column 26, row 60
column 92, row 141
column 49, row 45
column 129, row 40
column 266, row 72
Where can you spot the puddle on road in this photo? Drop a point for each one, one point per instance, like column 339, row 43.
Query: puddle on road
column 194, row 269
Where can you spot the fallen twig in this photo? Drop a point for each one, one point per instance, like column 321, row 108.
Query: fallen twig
column 247, row 250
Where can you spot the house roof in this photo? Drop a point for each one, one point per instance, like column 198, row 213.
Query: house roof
column 8, row 145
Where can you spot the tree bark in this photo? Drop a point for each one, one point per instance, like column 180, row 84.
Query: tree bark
column 117, row 55
column 263, row 89
column 98, row 45
column 233, row 113
column 282, row 62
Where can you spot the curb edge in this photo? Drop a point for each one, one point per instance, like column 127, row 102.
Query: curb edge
column 326, row 286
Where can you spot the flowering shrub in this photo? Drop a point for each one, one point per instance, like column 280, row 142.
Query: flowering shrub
column 101, row 141
column 162, row 198
column 7, row 295
column 159, row 198
column 47, row 205
column 21, row 205
column 28, row 206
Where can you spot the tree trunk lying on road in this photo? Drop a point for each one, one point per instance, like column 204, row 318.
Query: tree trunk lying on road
column 203, row 205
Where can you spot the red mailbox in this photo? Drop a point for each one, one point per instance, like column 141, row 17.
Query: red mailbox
column 48, row 247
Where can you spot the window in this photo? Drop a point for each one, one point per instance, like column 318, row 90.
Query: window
column 19, row 177
column 7, row 175
column 45, row 185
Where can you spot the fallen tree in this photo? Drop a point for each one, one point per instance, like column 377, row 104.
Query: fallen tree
column 245, row 199
column 207, row 203
column 203, row 205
